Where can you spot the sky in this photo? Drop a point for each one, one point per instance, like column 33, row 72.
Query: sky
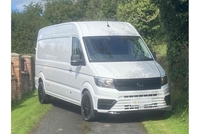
column 19, row 4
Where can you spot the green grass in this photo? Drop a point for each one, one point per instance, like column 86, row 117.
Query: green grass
column 26, row 113
column 172, row 125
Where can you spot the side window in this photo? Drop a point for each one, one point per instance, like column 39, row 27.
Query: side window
column 76, row 47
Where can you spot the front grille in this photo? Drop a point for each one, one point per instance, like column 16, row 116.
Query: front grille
column 143, row 95
column 140, row 101
column 137, row 84
column 146, row 106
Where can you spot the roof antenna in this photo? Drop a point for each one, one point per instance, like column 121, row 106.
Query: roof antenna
column 108, row 24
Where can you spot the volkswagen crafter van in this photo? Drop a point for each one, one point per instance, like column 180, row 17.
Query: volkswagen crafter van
column 103, row 67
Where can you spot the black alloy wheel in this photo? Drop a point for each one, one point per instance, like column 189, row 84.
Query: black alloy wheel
column 42, row 96
column 87, row 110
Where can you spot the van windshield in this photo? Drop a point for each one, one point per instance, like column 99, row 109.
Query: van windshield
column 116, row 48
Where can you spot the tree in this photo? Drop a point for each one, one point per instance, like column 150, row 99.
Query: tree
column 94, row 11
column 101, row 10
column 174, row 16
column 25, row 26
column 144, row 16
column 59, row 11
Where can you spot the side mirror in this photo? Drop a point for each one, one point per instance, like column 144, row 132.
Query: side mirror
column 76, row 60
column 154, row 55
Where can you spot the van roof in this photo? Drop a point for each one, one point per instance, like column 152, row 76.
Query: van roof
column 98, row 28
column 88, row 28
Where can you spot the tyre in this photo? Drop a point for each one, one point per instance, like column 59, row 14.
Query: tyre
column 87, row 110
column 42, row 96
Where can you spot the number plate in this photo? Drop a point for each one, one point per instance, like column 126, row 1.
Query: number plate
column 141, row 102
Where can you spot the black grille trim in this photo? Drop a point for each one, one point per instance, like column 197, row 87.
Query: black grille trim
column 137, row 84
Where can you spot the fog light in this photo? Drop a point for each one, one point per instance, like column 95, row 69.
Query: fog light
column 168, row 99
column 106, row 104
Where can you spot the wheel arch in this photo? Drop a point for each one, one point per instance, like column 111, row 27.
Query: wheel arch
column 41, row 78
column 88, row 87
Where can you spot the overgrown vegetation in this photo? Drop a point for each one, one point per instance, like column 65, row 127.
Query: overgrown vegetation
column 175, row 23
column 175, row 121
column 160, row 22
column 174, row 18
column 26, row 113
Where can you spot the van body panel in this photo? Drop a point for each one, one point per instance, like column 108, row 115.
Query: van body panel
column 162, row 71
column 127, row 70
column 60, row 30
column 78, row 76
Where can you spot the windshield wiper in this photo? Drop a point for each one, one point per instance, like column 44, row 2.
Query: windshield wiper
column 147, row 59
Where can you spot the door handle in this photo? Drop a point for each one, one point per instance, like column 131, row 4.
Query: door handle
column 70, row 70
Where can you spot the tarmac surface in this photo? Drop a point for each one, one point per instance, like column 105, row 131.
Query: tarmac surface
column 65, row 118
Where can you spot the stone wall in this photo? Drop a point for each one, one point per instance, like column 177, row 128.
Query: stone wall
column 22, row 75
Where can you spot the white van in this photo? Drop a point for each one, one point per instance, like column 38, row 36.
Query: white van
column 104, row 67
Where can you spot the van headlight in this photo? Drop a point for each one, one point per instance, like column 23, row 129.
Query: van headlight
column 104, row 82
column 163, row 80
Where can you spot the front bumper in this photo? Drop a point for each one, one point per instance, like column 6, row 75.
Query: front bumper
column 135, row 101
